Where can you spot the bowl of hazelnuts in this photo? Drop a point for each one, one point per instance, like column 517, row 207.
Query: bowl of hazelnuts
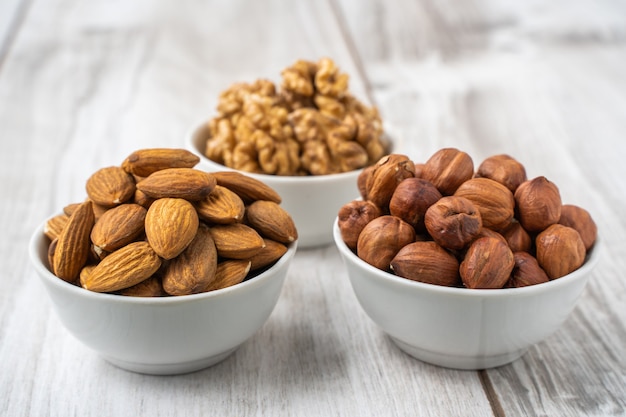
column 308, row 137
column 464, row 268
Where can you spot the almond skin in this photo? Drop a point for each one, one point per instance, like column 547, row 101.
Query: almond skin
column 55, row 225
column 150, row 287
column 222, row 206
column 123, row 268
column 271, row 221
column 144, row 162
column 118, row 226
column 236, row 241
column 269, row 254
column 110, row 186
column 73, row 244
column 171, row 224
column 187, row 183
column 248, row 188
column 194, row 269
column 229, row 272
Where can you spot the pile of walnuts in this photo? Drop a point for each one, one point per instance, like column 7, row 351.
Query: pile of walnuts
column 312, row 125
column 444, row 223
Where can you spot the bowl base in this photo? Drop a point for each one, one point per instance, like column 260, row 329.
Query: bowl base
column 169, row 368
column 468, row 363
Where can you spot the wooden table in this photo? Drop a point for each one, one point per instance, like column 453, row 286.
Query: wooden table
column 83, row 84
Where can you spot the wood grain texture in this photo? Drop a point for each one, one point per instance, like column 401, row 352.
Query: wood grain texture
column 545, row 85
column 84, row 84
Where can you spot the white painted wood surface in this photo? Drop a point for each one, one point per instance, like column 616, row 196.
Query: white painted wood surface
column 82, row 84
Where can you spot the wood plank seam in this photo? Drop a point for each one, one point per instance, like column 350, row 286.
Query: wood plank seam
column 14, row 27
column 352, row 49
column 492, row 395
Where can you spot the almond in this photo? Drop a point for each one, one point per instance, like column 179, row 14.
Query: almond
column 142, row 199
column 150, row 287
column 171, row 224
column 110, row 186
column 248, row 188
column 73, row 244
column 123, row 268
column 144, row 162
column 118, row 227
column 194, row 269
column 271, row 253
column 229, row 273
column 236, row 241
column 55, row 225
column 188, row 183
column 222, row 206
column 272, row 221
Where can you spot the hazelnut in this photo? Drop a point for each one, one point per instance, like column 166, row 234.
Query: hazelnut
column 503, row 169
column 453, row 222
column 362, row 179
column 487, row 264
column 426, row 262
column 353, row 217
column 526, row 271
column 538, row 204
column 411, row 199
column 517, row 238
column 447, row 169
column 382, row 238
column 579, row 219
column 493, row 200
column 419, row 169
column 387, row 173
column 484, row 232
column 560, row 250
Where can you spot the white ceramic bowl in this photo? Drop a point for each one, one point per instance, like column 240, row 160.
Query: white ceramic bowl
column 312, row 201
column 458, row 327
column 163, row 335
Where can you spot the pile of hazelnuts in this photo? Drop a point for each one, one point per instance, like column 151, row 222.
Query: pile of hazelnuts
column 442, row 222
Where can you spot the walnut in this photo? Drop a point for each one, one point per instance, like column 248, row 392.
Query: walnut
column 222, row 142
column 328, row 80
column 346, row 153
column 316, row 158
column 311, row 126
column 330, row 106
column 299, row 78
column 277, row 157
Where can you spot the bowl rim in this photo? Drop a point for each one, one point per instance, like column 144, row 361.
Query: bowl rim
column 37, row 239
column 591, row 260
column 192, row 144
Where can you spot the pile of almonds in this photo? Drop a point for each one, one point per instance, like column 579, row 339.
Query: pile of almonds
column 443, row 222
column 156, row 226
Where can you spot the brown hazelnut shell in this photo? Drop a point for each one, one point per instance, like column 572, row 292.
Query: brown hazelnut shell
column 426, row 262
column 382, row 238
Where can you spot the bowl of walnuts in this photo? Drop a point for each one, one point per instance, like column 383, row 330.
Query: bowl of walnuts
column 307, row 137
column 164, row 268
column 464, row 267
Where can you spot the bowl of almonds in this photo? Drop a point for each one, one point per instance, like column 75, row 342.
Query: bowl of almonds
column 164, row 268
column 307, row 137
column 464, row 267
